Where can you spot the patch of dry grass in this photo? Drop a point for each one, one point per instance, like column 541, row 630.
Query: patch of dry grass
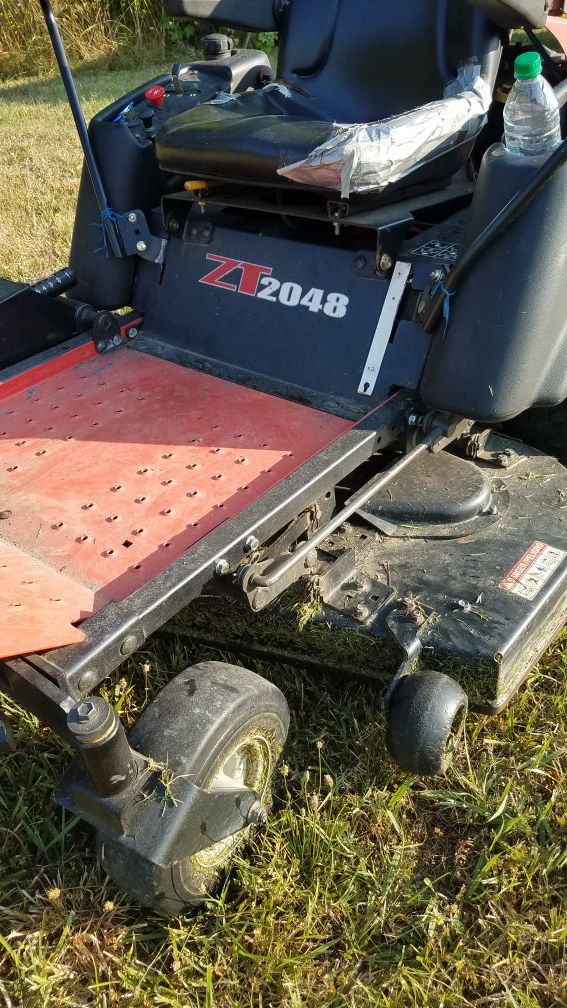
column 40, row 164
column 93, row 30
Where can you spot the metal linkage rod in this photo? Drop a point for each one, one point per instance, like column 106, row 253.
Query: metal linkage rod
column 356, row 501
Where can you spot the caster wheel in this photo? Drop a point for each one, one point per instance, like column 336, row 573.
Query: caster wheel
column 425, row 720
column 233, row 730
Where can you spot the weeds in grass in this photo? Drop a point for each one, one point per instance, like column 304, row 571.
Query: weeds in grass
column 106, row 33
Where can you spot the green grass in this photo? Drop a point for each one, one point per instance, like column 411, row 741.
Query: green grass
column 367, row 888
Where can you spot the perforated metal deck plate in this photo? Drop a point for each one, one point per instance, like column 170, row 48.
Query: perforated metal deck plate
column 112, row 467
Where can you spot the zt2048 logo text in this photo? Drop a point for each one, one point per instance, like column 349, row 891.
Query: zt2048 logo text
column 254, row 280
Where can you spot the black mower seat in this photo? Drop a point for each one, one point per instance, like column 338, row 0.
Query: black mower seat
column 340, row 61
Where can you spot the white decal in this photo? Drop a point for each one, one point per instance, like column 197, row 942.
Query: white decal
column 254, row 280
column 533, row 570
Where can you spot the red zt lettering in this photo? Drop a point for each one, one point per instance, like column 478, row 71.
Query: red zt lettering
column 250, row 278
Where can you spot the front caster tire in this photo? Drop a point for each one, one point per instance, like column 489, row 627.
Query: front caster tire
column 425, row 720
column 229, row 735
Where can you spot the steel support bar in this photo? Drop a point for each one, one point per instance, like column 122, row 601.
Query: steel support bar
column 368, row 491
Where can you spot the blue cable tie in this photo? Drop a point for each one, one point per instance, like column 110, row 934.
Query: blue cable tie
column 440, row 286
column 108, row 214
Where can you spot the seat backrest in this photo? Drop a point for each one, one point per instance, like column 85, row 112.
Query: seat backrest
column 367, row 59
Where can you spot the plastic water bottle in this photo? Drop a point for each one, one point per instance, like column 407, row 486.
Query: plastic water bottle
column 531, row 114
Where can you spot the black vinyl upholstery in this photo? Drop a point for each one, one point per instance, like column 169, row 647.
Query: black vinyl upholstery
column 257, row 15
column 515, row 13
column 340, row 61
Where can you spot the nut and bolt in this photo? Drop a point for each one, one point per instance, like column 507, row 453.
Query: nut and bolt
column 141, row 246
column 506, row 457
column 361, row 612
column 437, row 275
column 251, row 544
column 413, row 420
column 128, row 645
column 386, row 262
column 132, row 217
column 415, row 615
column 465, row 606
column 222, row 567
column 86, row 711
column 257, row 814
column 132, row 332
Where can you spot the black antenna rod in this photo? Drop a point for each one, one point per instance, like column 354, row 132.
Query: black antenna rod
column 80, row 123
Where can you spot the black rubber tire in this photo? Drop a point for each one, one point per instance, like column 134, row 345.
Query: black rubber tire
column 229, row 706
column 424, row 720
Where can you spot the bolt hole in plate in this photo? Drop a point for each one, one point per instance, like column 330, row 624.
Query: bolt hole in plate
column 170, row 459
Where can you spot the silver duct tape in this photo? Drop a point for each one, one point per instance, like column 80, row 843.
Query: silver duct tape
column 367, row 156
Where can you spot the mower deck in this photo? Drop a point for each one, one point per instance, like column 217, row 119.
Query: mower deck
column 114, row 466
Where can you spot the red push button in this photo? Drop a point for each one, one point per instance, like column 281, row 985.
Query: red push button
column 155, row 94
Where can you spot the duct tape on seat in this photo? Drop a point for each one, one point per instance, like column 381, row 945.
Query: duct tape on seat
column 367, row 156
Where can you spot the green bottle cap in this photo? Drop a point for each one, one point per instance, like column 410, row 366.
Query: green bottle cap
column 527, row 66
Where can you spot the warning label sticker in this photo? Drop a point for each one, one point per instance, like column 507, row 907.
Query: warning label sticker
column 533, row 570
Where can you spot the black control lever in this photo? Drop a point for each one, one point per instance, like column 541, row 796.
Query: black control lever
column 127, row 233
column 177, row 71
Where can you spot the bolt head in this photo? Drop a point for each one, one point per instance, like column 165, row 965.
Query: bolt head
column 132, row 217
column 222, row 567
column 257, row 814
column 132, row 332
column 141, row 246
column 386, row 262
column 251, row 544
column 88, row 680
column 437, row 275
column 360, row 612
column 86, row 711
column 413, row 420
column 128, row 645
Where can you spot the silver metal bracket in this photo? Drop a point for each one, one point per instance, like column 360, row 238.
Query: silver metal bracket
column 384, row 328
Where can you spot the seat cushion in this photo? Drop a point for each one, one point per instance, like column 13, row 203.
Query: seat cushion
column 244, row 137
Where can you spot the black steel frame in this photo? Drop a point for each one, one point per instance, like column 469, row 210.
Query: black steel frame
column 50, row 684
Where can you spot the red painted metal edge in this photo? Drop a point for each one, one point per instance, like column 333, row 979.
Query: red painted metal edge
column 41, row 372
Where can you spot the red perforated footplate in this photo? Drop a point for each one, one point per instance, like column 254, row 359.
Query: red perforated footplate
column 112, row 467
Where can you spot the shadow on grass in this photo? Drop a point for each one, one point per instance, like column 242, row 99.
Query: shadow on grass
column 96, row 79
